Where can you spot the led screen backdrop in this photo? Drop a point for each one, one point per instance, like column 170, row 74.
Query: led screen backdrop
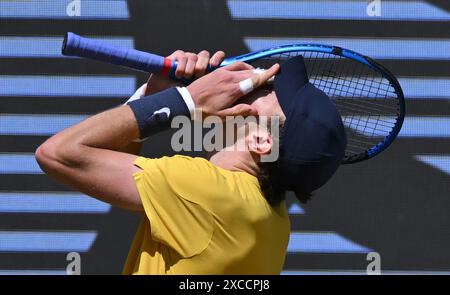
column 396, row 204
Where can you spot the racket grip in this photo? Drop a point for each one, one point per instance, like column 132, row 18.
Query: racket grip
column 75, row 45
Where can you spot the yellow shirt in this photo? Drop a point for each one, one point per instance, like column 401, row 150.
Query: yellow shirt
column 202, row 219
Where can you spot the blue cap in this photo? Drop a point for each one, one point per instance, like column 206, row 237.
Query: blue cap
column 314, row 140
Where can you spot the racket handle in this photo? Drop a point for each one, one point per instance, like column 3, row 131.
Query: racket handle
column 75, row 45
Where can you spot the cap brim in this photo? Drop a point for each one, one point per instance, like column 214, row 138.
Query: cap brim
column 291, row 78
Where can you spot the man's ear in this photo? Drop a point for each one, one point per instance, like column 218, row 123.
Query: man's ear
column 260, row 143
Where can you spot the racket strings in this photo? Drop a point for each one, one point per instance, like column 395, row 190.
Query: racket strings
column 367, row 101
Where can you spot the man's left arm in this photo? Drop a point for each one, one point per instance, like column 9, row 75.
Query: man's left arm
column 97, row 156
column 86, row 157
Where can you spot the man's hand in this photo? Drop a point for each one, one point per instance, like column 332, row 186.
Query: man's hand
column 217, row 92
column 190, row 65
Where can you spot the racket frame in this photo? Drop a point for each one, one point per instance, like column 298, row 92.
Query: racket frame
column 74, row 45
column 346, row 53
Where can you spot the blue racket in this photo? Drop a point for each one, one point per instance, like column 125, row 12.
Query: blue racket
column 368, row 97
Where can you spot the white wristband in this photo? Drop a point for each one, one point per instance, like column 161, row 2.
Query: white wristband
column 187, row 100
column 140, row 93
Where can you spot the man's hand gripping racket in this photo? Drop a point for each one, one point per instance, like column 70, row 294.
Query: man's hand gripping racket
column 368, row 97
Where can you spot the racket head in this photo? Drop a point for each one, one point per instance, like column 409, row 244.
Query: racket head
column 367, row 95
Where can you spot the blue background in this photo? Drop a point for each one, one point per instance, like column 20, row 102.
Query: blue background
column 396, row 204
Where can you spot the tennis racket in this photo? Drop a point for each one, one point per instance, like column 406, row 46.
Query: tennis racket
column 368, row 97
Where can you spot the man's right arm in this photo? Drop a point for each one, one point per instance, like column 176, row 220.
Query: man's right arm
column 87, row 156
column 189, row 65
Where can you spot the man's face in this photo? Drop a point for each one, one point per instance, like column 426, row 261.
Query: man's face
column 254, row 135
column 265, row 101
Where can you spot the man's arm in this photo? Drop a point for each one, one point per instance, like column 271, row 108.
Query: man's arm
column 89, row 156
column 86, row 157
column 96, row 156
column 189, row 65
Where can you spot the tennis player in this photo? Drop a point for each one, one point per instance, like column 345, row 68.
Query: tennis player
column 222, row 215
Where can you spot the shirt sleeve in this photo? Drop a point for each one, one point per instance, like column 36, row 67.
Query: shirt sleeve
column 176, row 221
